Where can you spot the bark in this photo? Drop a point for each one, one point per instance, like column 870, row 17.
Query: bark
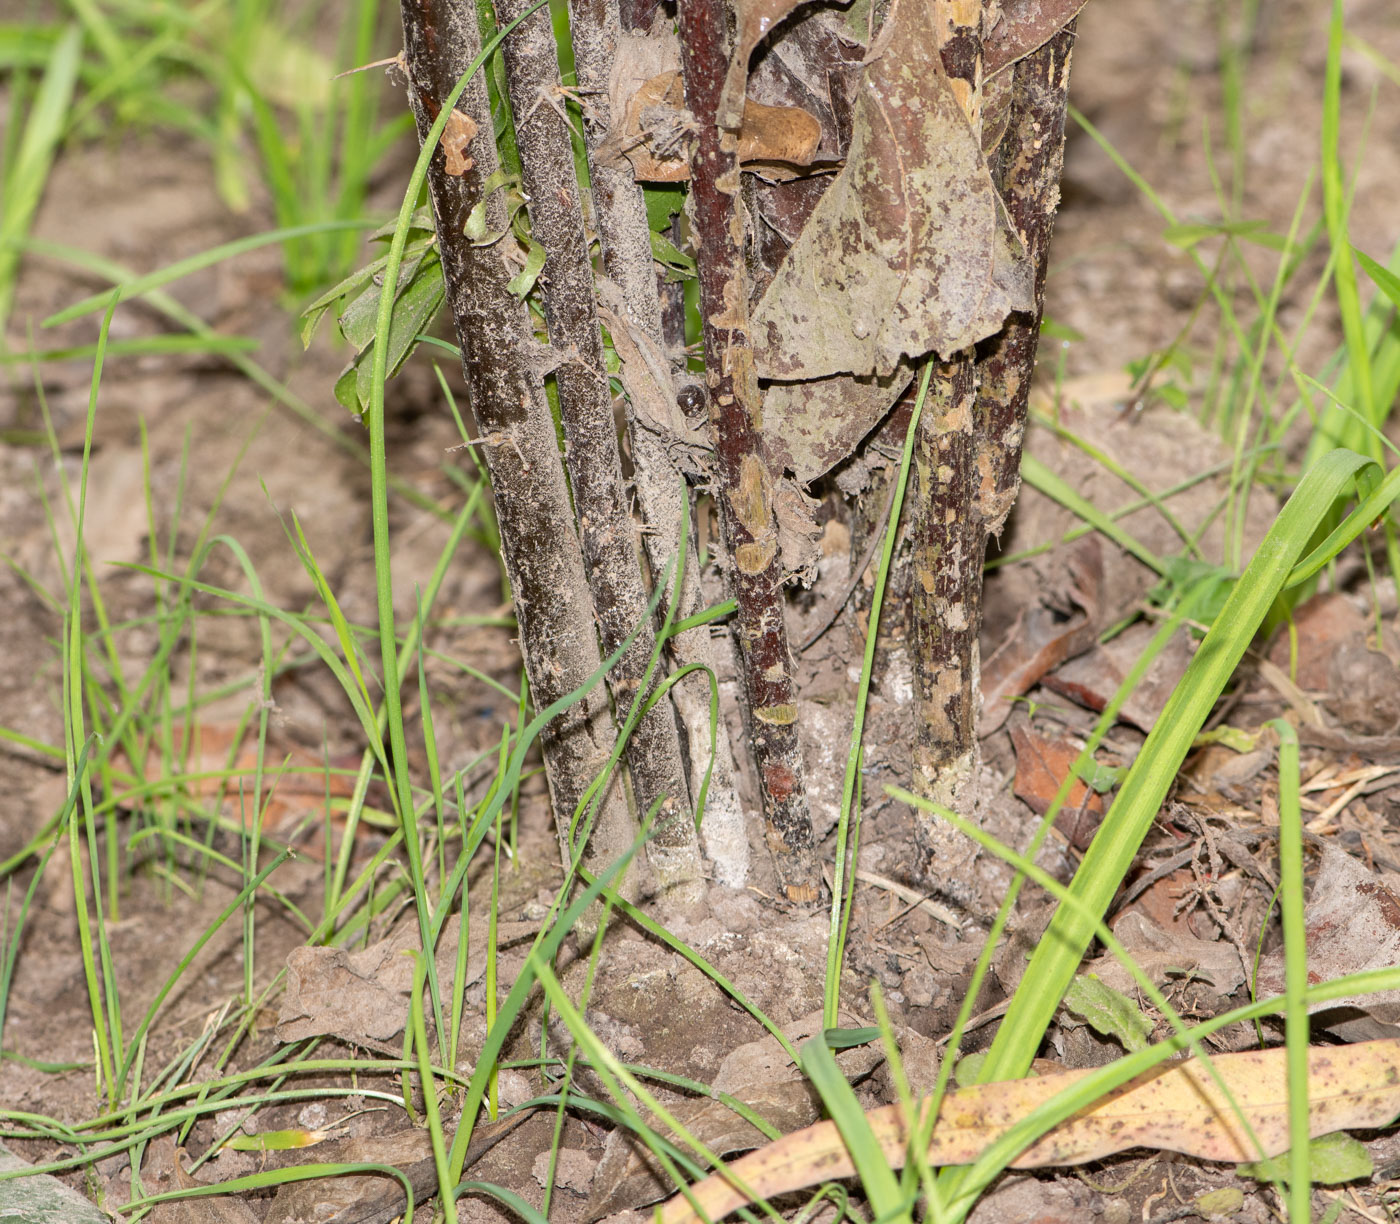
column 978, row 431
column 621, row 222
column 744, row 480
column 539, row 544
column 947, row 542
column 594, row 465
column 1027, row 171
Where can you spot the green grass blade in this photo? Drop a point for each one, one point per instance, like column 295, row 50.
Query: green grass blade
column 25, row 179
column 882, row 1188
column 204, row 259
column 1104, row 865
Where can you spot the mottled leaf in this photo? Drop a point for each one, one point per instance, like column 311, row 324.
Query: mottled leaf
column 1025, row 25
column 908, row 252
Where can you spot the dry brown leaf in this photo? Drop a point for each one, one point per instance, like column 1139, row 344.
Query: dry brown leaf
column 296, row 782
column 456, row 136
column 1042, row 764
column 811, row 426
column 755, row 18
column 657, row 125
column 798, row 532
column 1176, row 1108
column 1044, row 637
column 1353, row 924
column 1025, row 25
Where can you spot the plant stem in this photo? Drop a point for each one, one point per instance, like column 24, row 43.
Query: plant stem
column 625, row 238
column 538, row 541
column 594, row 465
column 744, row 479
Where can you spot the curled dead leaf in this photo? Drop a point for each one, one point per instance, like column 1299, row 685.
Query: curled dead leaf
column 1177, row 1108
column 456, row 136
column 755, row 19
column 658, row 126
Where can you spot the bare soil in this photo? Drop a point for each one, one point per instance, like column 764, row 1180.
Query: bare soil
column 1147, row 75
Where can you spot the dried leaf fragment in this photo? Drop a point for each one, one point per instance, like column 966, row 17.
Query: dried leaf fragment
column 755, row 19
column 658, row 126
column 909, row 251
column 1025, row 26
column 1176, row 1108
column 456, row 136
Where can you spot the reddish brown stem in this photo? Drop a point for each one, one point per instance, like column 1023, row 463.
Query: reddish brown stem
column 744, row 478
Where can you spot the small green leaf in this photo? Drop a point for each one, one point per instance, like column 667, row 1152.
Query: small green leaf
column 968, row 1066
column 418, row 302
column 1334, row 1158
column 845, row 1039
column 677, row 263
column 1100, row 778
column 523, row 281
column 1231, row 737
column 1052, row 330
column 663, row 203
column 1223, row 1202
column 1108, row 1012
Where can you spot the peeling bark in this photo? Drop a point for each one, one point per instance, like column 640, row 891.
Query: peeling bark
column 1027, row 171
column 946, row 538
column 624, row 236
column 539, row 543
column 653, row 752
column 970, row 460
column 745, row 483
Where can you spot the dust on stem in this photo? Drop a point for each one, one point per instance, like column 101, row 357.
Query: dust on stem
column 624, row 235
column 744, row 480
column 594, row 465
column 947, row 541
column 539, row 543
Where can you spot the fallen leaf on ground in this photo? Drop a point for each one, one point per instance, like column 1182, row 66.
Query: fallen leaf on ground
column 1042, row 764
column 1091, row 679
column 1062, row 624
column 1352, row 920
column 1175, row 1108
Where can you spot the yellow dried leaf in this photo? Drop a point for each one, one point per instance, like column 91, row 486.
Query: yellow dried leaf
column 455, row 137
column 1175, row 1108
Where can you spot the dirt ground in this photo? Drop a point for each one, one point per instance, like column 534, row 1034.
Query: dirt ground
column 1147, row 75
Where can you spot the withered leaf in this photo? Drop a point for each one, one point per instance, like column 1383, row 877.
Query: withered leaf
column 1175, row 1108
column 909, row 251
column 1025, row 25
column 657, row 127
column 811, row 426
column 798, row 532
column 456, row 136
column 755, row 19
